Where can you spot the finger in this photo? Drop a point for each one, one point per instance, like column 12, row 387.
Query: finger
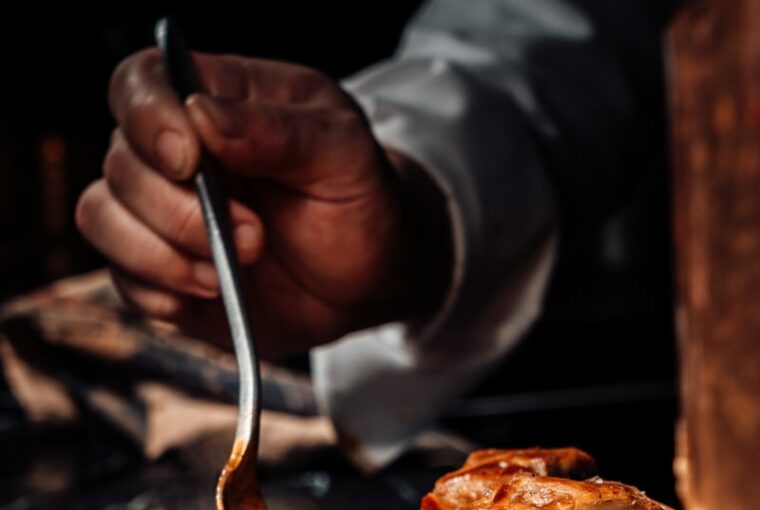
column 131, row 245
column 319, row 151
column 150, row 300
column 151, row 115
column 198, row 318
column 172, row 210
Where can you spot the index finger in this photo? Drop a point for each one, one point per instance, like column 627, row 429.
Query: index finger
column 151, row 115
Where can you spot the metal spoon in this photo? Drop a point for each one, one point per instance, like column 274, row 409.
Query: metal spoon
column 237, row 487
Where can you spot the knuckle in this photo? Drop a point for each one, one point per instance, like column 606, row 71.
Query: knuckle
column 116, row 166
column 88, row 206
column 126, row 72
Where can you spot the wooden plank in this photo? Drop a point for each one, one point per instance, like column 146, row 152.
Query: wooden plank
column 715, row 101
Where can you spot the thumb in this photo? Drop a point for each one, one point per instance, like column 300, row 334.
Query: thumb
column 252, row 137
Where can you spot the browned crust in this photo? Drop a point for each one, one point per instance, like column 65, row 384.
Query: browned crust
column 532, row 479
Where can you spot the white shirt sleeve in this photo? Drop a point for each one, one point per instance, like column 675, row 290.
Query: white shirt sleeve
column 459, row 100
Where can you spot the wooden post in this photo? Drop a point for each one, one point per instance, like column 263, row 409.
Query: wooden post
column 715, row 90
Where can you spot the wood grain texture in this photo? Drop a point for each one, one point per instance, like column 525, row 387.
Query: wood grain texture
column 715, row 102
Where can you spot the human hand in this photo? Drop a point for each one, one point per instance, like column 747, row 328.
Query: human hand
column 321, row 223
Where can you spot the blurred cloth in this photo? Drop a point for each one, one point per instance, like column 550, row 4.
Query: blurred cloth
column 74, row 352
column 148, row 417
column 535, row 118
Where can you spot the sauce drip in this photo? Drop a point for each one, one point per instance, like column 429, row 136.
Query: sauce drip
column 237, row 487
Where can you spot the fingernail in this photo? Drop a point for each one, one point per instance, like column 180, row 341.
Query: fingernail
column 223, row 117
column 245, row 239
column 205, row 275
column 172, row 150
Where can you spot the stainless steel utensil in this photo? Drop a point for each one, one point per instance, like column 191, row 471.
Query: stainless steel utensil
column 237, row 486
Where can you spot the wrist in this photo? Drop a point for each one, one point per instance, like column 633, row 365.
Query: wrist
column 428, row 251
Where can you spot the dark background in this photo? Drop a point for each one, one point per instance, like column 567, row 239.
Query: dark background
column 597, row 370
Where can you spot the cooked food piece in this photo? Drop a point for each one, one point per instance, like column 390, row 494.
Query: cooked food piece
column 486, row 471
column 530, row 492
column 532, row 479
column 564, row 462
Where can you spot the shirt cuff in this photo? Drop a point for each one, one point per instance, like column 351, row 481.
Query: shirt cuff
column 379, row 393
